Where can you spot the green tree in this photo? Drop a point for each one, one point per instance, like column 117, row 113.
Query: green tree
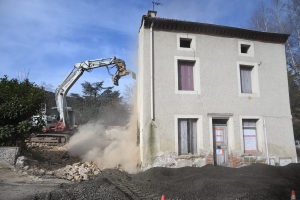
column 93, row 89
column 19, row 101
column 99, row 103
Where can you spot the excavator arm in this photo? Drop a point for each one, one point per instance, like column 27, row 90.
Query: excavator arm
column 79, row 68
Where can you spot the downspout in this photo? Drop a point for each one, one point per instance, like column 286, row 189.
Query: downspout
column 266, row 140
column 152, row 70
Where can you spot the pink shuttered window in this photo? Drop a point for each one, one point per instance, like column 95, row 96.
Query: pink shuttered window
column 185, row 76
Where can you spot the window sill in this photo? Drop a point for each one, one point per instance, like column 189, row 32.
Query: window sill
column 246, row 54
column 187, row 92
column 185, row 49
column 249, row 95
column 188, row 156
column 258, row 153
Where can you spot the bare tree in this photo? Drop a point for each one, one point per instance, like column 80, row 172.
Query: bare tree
column 283, row 16
column 47, row 87
column 259, row 19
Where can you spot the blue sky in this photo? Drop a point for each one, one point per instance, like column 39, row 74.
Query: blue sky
column 44, row 39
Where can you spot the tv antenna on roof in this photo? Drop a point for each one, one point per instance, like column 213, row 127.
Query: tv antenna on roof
column 156, row 3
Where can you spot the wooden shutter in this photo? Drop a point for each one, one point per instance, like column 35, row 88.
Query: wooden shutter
column 183, row 137
column 194, row 136
column 186, row 76
column 246, row 79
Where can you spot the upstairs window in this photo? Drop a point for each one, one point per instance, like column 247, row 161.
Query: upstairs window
column 246, row 82
column 185, row 75
column 185, row 42
column 245, row 48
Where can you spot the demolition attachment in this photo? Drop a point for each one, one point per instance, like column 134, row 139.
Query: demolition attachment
column 121, row 71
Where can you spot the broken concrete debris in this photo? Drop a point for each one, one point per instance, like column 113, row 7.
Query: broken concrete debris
column 21, row 161
column 76, row 172
column 54, row 162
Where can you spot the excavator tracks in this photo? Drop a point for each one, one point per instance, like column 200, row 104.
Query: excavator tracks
column 131, row 190
column 49, row 139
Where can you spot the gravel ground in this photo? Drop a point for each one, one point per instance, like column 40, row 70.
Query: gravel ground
column 257, row 181
column 15, row 186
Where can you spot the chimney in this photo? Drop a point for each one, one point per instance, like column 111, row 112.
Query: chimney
column 151, row 13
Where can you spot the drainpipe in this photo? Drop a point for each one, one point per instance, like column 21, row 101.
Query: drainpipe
column 152, row 71
column 266, row 139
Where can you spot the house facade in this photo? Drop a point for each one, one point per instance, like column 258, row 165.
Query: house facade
column 210, row 94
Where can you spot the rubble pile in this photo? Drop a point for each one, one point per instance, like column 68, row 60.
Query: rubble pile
column 54, row 162
column 78, row 171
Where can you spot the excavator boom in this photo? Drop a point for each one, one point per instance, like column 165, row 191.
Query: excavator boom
column 63, row 121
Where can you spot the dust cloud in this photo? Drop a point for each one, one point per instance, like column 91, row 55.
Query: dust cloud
column 107, row 148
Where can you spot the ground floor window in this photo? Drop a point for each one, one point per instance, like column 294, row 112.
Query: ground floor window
column 249, row 134
column 187, row 136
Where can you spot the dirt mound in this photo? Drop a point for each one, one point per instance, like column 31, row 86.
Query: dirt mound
column 256, row 181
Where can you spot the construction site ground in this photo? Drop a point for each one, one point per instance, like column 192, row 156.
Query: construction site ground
column 50, row 173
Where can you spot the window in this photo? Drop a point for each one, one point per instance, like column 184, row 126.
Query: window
column 245, row 74
column 187, row 136
column 246, row 48
column 185, row 75
column 250, row 136
column 248, row 84
column 185, row 42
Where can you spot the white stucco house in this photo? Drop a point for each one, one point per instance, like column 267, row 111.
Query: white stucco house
column 210, row 94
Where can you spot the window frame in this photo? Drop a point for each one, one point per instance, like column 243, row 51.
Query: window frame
column 186, row 36
column 250, row 52
column 260, row 137
column 196, row 74
column 199, row 130
column 247, row 70
column 254, row 79
column 191, row 143
column 186, row 84
column 250, row 128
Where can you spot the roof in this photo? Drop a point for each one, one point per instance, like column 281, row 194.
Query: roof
column 174, row 25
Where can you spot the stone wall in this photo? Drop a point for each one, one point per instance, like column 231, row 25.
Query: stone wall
column 9, row 154
column 206, row 158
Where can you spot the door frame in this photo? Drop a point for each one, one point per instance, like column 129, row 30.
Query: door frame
column 218, row 147
column 230, row 131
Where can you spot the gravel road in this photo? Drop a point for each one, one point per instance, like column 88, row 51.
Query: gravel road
column 15, row 186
